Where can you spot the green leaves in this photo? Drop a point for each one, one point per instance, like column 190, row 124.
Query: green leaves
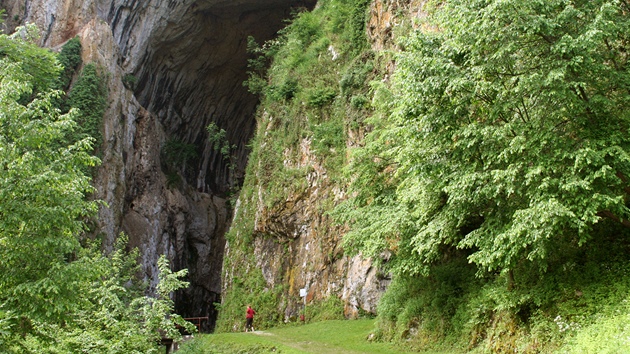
column 507, row 134
column 57, row 295
column 88, row 95
column 42, row 191
column 70, row 59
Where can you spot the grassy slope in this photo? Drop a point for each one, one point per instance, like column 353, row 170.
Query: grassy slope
column 322, row 337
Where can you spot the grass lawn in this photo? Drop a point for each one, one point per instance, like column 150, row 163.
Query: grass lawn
column 338, row 337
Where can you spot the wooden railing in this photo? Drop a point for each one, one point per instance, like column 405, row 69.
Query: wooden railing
column 196, row 321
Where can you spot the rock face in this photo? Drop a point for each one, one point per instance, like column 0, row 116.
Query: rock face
column 295, row 244
column 386, row 16
column 172, row 68
column 305, row 249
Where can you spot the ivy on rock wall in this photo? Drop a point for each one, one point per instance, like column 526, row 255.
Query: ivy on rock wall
column 70, row 60
column 89, row 95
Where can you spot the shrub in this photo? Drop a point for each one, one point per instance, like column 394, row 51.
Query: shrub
column 130, row 81
column 286, row 90
column 330, row 308
column 70, row 59
column 357, row 24
column 610, row 333
column 357, row 73
column 248, row 288
column 359, row 101
column 89, row 96
column 320, row 96
column 218, row 138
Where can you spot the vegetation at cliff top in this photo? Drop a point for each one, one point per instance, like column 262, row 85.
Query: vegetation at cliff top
column 58, row 292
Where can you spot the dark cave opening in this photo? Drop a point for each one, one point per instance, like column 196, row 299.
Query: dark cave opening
column 190, row 76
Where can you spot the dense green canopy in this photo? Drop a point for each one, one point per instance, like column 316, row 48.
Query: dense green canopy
column 508, row 137
column 42, row 188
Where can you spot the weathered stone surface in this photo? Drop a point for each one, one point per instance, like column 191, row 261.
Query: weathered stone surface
column 188, row 59
column 297, row 245
column 386, row 16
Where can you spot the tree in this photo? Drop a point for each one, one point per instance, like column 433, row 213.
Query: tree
column 57, row 294
column 115, row 316
column 42, row 191
column 507, row 139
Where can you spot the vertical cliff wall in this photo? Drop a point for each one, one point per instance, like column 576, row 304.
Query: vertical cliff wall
column 172, row 68
column 316, row 108
column 314, row 111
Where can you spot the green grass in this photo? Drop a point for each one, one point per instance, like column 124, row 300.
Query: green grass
column 338, row 337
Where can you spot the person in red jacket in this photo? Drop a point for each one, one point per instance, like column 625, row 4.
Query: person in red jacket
column 249, row 325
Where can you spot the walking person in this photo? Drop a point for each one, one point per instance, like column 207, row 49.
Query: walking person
column 249, row 324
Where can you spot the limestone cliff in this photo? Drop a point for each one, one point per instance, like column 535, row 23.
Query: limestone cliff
column 283, row 229
column 172, row 68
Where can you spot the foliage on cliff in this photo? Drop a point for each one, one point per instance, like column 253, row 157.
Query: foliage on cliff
column 58, row 293
column 497, row 173
column 70, row 59
column 88, row 95
column 305, row 104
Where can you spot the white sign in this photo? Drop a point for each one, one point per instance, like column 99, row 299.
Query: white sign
column 303, row 292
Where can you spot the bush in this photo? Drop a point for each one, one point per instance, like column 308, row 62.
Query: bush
column 70, row 59
column 89, row 96
column 130, row 81
column 357, row 73
column 425, row 310
column 330, row 308
column 357, row 24
column 609, row 333
column 359, row 101
column 248, row 287
column 320, row 96
column 306, row 28
column 286, row 90
column 218, row 138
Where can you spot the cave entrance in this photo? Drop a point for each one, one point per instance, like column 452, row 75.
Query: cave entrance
column 190, row 76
